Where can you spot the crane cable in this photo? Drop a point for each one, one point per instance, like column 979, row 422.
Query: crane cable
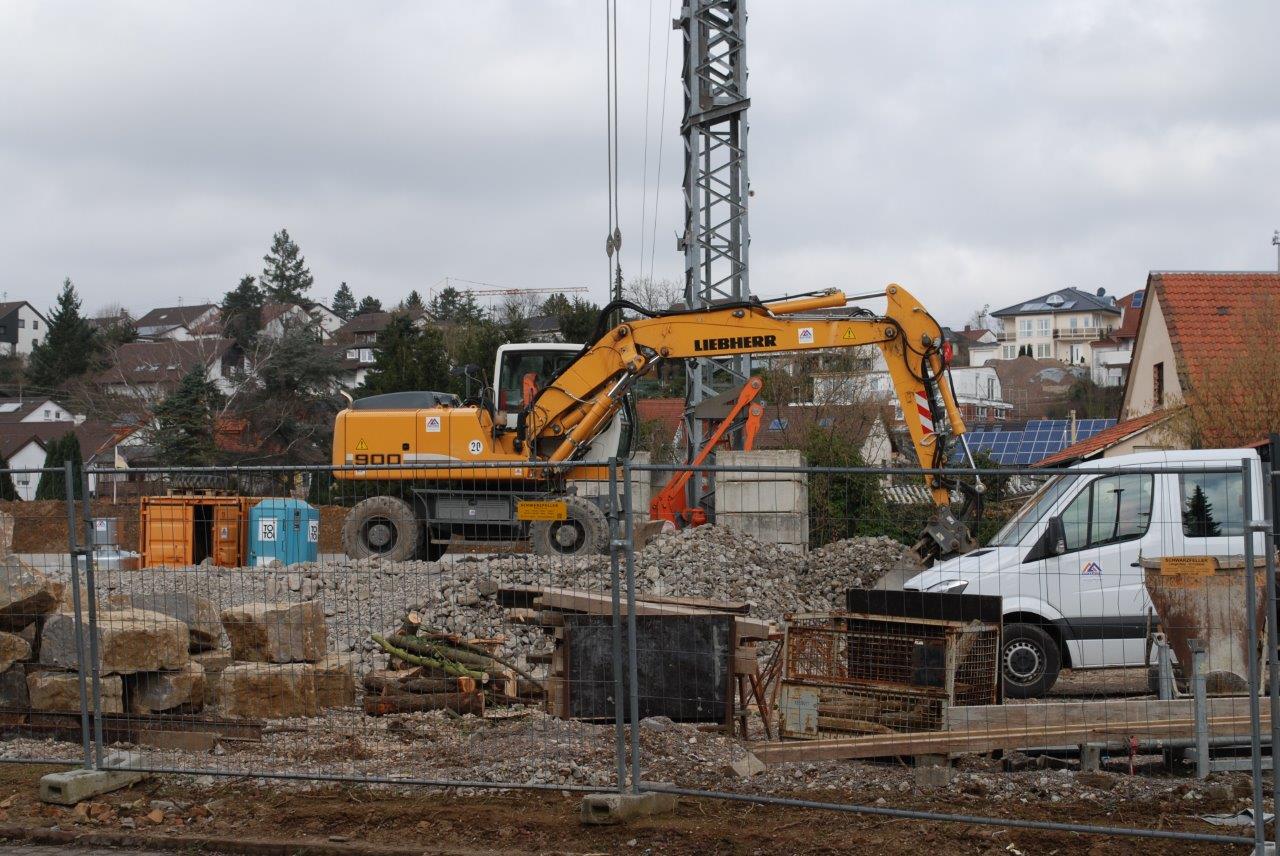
column 613, row 241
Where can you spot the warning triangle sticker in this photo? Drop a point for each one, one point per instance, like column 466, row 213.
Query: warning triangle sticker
column 848, row 334
column 362, row 446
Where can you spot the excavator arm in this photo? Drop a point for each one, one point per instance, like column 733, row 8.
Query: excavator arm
column 568, row 413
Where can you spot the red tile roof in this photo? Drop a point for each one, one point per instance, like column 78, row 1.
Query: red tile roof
column 1104, row 439
column 1128, row 328
column 668, row 411
column 1205, row 313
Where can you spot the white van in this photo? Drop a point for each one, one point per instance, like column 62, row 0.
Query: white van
column 1068, row 563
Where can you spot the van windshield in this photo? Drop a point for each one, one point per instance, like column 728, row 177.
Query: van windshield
column 1012, row 533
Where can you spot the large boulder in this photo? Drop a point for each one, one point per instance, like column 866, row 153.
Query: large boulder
column 335, row 678
column 13, row 690
column 61, row 691
column 13, row 648
column 213, row 663
column 276, row 632
column 269, row 690
column 25, row 593
column 129, row 641
column 197, row 613
column 155, row 692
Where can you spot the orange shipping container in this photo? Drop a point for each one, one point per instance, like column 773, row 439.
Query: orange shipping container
column 176, row 531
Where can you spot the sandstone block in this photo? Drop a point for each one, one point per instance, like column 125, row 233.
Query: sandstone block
column 129, row 641
column 12, row 649
column 13, row 690
column 25, row 593
column 6, row 533
column 335, row 678
column 197, row 613
column 155, row 692
column 61, row 691
column 213, row 663
column 269, row 690
column 276, row 632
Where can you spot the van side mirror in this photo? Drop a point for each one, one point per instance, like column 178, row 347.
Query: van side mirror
column 1056, row 536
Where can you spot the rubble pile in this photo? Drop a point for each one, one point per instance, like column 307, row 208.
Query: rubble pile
column 852, row 563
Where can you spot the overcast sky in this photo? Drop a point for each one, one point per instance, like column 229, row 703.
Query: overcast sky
column 977, row 153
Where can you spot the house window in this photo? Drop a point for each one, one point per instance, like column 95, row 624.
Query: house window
column 47, row 413
column 1042, row 351
column 778, row 424
column 1024, row 328
column 22, row 323
column 999, row 413
column 982, row 413
column 35, row 324
column 1074, row 322
column 1010, row 352
column 1137, row 300
column 366, row 355
column 1042, row 326
column 1157, row 385
column 991, row 388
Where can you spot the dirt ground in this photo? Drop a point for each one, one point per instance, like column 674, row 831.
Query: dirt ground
column 171, row 808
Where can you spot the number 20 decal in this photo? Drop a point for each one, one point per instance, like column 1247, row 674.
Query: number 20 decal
column 475, row 447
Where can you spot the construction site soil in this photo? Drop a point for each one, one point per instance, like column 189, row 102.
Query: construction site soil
column 174, row 812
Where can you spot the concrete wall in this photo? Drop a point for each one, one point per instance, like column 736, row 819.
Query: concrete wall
column 771, row 507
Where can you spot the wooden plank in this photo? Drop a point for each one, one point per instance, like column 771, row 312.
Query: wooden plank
column 1105, row 730
column 522, row 596
column 592, row 603
column 1029, row 716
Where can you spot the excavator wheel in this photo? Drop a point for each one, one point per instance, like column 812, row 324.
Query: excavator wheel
column 583, row 532
column 383, row 527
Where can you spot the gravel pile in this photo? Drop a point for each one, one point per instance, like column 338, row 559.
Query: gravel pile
column 851, row 563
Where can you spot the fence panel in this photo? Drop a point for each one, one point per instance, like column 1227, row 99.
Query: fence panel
column 45, row 697
column 1051, row 666
column 380, row 625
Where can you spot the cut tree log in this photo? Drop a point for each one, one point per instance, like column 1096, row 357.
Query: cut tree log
column 375, row 683
column 458, row 702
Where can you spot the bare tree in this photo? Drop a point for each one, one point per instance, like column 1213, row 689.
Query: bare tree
column 653, row 294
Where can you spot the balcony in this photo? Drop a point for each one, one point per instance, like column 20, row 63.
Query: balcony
column 1082, row 334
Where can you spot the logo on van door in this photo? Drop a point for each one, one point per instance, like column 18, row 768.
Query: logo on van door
column 1093, row 569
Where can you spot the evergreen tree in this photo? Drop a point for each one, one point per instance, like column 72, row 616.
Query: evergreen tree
column 184, row 422
column 451, row 306
column 242, row 312
column 285, row 277
column 293, row 399
column 68, row 348
column 407, row 358
column 53, row 485
column 8, row 491
column 369, row 304
column 413, row 301
column 577, row 317
column 1197, row 518
column 344, row 302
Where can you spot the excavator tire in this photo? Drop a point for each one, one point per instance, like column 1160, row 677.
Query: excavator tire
column 383, row 527
column 583, row 532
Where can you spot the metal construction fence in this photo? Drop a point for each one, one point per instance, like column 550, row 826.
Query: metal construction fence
column 490, row 626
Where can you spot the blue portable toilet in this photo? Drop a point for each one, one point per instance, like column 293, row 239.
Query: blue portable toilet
column 287, row 530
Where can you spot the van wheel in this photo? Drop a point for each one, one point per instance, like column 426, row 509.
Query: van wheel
column 583, row 532
column 384, row 527
column 1029, row 661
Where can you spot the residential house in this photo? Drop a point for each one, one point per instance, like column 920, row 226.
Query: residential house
column 1059, row 325
column 151, row 370
column 978, row 389
column 1193, row 324
column 38, row 409
column 978, row 345
column 21, row 328
column 24, row 446
column 326, row 320
column 1141, row 434
column 276, row 318
column 355, row 342
column 180, row 323
column 789, row 426
column 1111, row 354
column 1036, row 387
column 544, row 328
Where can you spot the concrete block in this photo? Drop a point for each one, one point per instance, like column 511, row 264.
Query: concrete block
column 932, row 771
column 788, row 530
column 276, row 632
column 607, row 809
column 768, row 496
column 76, row 786
column 760, row 458
column 1090, row 757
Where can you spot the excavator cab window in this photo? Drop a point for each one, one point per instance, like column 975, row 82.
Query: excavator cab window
column 524, row 373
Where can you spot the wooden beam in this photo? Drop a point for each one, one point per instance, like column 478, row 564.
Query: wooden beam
column 595, row 603
column 1029, row 726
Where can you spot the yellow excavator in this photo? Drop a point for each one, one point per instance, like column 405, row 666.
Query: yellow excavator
column 525, row 460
